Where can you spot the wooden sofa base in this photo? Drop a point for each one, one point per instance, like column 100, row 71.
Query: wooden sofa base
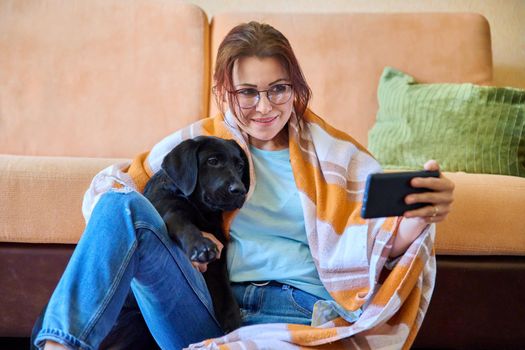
column 478, row 301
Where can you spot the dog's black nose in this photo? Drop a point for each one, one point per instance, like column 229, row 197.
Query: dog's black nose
column 237, row 189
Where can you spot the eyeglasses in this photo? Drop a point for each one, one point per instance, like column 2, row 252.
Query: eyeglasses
column 249, row 97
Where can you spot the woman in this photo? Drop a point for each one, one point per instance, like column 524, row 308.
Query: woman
column 296, row 241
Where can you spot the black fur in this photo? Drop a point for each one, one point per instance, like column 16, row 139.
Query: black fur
column 199, row 180
column 191, row 195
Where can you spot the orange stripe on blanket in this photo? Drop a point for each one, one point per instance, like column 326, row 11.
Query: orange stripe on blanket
column 408, row 314
column 333, row 206
column 351, row 299
column 227, row 219
column 314, row 118
column 331, row 200
column 306, row 335
column 340, row 322
column 140, row 171
column 215, row 126
column 403, row 278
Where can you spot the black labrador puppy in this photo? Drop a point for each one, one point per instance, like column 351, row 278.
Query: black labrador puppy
column 199, row 180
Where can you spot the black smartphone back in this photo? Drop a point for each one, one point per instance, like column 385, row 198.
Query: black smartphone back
column 385, row 193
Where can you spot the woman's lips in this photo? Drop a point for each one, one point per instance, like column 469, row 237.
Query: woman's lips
column 266, row 120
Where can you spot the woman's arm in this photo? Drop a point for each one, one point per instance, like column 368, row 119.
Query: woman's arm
column 415, row 221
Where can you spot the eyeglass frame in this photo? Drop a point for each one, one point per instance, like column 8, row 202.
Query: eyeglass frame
column 259, row 95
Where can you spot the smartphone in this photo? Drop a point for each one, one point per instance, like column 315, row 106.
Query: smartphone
column 385, row 193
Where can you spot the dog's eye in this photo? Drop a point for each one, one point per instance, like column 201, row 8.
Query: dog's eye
column 213, row 161
column 239, row 167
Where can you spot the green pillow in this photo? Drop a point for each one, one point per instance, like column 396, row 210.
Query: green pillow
column 465, row 127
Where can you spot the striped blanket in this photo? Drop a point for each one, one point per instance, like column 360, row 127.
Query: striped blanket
column 378, row 303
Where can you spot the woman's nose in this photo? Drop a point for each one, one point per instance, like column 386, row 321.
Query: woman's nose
column 263, row 106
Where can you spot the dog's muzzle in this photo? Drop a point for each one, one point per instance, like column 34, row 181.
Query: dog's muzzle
column 227, row 198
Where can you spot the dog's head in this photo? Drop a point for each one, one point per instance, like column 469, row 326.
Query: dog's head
column 210, row 170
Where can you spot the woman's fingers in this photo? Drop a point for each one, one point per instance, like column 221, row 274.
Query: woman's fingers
column 430, row 197
column 441, row 183
column 439, row 197
column 431, row 213
column 431, row 165
column 201, row 267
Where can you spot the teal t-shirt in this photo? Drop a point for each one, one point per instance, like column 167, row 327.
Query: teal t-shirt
column 268, row 236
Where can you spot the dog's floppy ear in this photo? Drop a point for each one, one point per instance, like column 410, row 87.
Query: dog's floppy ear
column 181, row 165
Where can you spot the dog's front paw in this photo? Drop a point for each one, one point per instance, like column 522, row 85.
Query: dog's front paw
column 203, row 250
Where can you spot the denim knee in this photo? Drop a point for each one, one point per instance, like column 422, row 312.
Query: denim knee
column 106, row 259
column 131, row 205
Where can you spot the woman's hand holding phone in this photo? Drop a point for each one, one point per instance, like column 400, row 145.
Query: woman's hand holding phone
column 439, row 199
column 424, row 194
column 420, row 197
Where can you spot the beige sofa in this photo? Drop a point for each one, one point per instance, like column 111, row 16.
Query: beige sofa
column 88, row 83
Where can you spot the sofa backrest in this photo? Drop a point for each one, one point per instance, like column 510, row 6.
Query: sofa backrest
column 109, row 78
column 343, row 55
column 99, row 78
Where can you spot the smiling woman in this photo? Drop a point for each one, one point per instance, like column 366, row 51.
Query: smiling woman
column 259, row 57
column 297, row 241
column 261, row 118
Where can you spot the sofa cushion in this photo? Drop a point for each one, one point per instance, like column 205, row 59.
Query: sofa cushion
column 485, row 218
column 101, row 78
column 41, row 202
column 41, row 197
column 465, row 127
column 344, row 54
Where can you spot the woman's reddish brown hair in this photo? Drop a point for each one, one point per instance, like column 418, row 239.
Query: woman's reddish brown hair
column 262, row 41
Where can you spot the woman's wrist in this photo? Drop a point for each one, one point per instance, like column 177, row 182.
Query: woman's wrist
column 409, row 229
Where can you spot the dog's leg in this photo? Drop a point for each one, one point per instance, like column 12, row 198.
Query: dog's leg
column 195, row 245
column 180, row 224
column 227, row 310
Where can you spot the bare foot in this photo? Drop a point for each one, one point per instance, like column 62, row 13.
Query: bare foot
column 51, row 345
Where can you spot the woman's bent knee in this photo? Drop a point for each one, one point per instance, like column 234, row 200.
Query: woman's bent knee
column 129, row 205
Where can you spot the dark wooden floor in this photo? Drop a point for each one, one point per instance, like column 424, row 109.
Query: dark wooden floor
column 14, row 343
column 23, row 344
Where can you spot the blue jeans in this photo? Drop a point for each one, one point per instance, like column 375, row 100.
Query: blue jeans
column 273, row 303
column 126, row 245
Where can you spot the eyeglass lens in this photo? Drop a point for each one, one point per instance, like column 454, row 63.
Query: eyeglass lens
column 277, row 94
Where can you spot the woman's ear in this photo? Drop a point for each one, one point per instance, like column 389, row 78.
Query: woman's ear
column 182, row 166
